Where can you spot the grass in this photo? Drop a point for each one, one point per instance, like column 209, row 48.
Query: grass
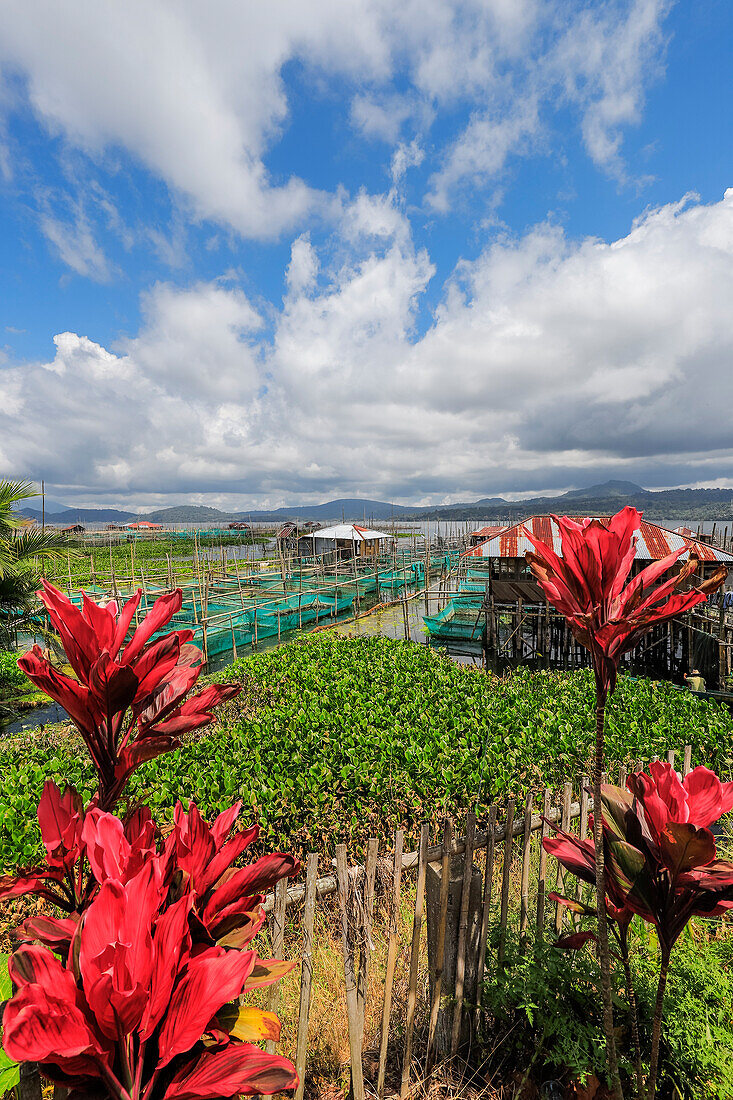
column 338, row 739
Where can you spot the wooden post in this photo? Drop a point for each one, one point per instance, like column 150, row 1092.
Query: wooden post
column 542, row 876
column 278, row 938
column 440, row 944
column 391, row 958
column 414, row 960
column 686, row 767
column 506, row 878
column 463, row 931
column 370, row 870
column 347, row 940
column 526, row 851
column 488, row 885
column 306, row 971
column 567, row 797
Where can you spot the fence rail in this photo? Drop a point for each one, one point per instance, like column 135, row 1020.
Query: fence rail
column 445, row 945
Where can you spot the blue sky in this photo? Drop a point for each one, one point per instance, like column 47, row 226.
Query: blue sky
column 254, row 256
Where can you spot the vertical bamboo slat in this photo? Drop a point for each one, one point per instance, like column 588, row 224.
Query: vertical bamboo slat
column 687, row 760
column 463, row 931
column 391, row 958
column 486, row 911
column 370, row 870
column 347, row 941
column 526, row 853
column 506, row 879
column 414, row 958
column 306, row 972
column 567, row 797
column 542, row 876
column 440, row 945
column 278, row 939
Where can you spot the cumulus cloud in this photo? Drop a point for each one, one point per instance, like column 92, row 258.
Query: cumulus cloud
column 196, row 93
column 548, row 363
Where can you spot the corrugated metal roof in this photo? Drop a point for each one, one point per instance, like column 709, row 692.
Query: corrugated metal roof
column 350, row 531
column 653, row 542
column 486, row 532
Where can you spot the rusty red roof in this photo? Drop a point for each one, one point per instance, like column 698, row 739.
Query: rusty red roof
column 652, row 542
column 486, row 532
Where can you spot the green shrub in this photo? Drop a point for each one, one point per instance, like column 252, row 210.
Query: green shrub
column 543, row 1013
column 341, row 739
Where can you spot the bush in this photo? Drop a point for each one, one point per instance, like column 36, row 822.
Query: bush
column 338, row 739
column 545, row 1013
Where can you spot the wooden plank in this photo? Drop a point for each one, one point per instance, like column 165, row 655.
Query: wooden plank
column 542, row 875
column 486, row 911
column 370, row 870
column 306, row 970
column 506, row 879
column 347, row 946
column 567, row 797
column 670, row 757
column 687, row 765
column 526, row 859
column 463, row 931
column 440, row 945
column 414, row 960
column 391, row 958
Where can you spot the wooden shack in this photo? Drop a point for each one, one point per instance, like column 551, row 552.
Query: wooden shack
column 350, row 540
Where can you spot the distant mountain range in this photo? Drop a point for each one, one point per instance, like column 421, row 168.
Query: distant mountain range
column 671, row 504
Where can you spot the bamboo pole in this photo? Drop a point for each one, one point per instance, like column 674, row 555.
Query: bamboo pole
column 370, row 870
column 542, row 876
column 567, row 797
column 506, row 879
column 278, row 939
column 526, row 851
column 391, row 958
column 306, row 971
column 414, row 960
column 440, row 945
column 488, row 886
column 347, row 940
column 463, row 931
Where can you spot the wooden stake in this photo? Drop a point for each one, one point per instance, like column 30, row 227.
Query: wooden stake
column 567, row 797
column 370, row 870
column 347, row 940
column 391, row 958
column 414, row 958
column 526, row 851
column 463, row 931
column 488, row 886
column 442, row 925
column 542, row 877
column 506, row 878
column 278, row 939
column 306, row 971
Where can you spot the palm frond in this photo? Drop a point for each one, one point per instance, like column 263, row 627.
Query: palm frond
column 34, row 542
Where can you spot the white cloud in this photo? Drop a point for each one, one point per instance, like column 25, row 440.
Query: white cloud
column 76, row 246
column 195, row 93
column 548, row 363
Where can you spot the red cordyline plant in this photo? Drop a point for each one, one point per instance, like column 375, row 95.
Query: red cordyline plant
column 588, row 583
column 140, row 1008
column 152, row 934
column 660, row 862
column 127, row 699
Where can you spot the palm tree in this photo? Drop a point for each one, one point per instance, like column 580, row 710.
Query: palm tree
column 21, row 550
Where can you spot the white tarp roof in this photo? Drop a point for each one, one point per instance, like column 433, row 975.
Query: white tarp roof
column 351, row 531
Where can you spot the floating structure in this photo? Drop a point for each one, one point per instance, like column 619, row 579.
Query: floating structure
column 348, row 540
column 499, row 606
